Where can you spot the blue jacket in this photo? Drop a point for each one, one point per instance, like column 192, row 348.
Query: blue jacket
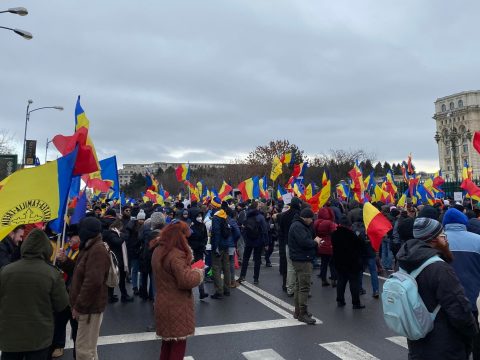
column 465, row 247
column 217, row 240
column 235, row 232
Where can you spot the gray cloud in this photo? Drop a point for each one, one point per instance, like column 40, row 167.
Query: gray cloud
column 207, row 81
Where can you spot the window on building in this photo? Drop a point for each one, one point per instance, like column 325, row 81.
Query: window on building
column 452, row 105
column 465, row 148
column 444, row 107
column 460, row 103
column 449, row 168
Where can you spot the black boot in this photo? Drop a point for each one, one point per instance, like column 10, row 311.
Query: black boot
column 305, row 317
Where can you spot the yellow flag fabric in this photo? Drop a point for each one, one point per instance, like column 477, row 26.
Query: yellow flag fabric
column 325, row 194
column 29, row 196
column 276, row 168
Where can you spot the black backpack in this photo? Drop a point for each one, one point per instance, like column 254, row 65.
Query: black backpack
column 225, row 229
column 252, row 228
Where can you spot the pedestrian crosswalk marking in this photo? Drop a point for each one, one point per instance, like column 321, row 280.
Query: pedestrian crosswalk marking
column 399, row 340
column 266, row 354
column 265, row 302
column 188, row 358
column 347, row 351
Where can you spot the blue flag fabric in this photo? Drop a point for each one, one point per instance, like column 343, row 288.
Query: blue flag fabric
column 80, row 210
column 109, row 171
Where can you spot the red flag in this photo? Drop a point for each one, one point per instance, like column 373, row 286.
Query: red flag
column 476, row 141
column 470, row 187
column 98, row 184
column 86, row 162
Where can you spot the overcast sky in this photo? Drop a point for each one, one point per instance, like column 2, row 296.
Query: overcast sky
column 208, row 81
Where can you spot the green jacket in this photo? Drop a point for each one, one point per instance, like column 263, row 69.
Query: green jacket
column 31, row 290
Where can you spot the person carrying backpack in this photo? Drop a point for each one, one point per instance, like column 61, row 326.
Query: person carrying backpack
column 439, row 290
column 255, row 233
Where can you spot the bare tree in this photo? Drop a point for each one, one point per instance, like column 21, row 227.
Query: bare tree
column 6, row 142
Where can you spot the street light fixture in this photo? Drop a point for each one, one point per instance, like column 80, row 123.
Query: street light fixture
column 16, row 10
column 453, row 140
column 27, row 119
column 25, row 34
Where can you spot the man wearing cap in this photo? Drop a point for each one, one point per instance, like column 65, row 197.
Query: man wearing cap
column 454, row 325
column 465, row 247
column 302, row 250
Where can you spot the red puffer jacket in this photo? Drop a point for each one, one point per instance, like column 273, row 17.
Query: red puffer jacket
column 324, row 226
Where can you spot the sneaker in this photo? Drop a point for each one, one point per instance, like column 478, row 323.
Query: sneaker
column 57, row 353
column 127, row 298
column 216, row 296
column 376, row 295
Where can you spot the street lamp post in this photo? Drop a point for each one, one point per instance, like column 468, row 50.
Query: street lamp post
column 46, row 148
column 27, row 119
column 453, row 139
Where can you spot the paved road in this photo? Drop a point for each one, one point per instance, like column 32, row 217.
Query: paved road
column 256, row 322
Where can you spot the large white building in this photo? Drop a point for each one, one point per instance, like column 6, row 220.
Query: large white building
column 457, row 118
column 128, row 170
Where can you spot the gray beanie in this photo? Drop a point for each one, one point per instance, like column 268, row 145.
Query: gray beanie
column 141, row 215
column 157, row 219
column 426, row 229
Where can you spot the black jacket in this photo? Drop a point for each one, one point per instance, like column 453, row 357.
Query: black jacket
column 454, row 325
column 301, row 246
column 8, row 252
column 474, row 225
column 114, row 242
column 130, row 234
column 199, row 237
column 347, row 251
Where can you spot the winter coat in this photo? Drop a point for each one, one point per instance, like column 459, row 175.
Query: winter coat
column 301, row 246
column 347, row 250
column 8, row 252
column 465, row 247
column 199, row 237
column 474, row 225
column 454, row 324
column 145, row 264
column 88, row 292
column 114, row 242
column 324, row 226
column 130, row 234
column 262, row 239
column 31, row 290
column 174, row 305
column 218, row 240
column 235, row 232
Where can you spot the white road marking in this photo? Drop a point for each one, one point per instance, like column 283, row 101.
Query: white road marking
column 188, row 358
column 265, row 302
column 272, row 298
column 380, row 277
column 267, row 354
column 399, row 340
column 347, row 351
column 205, row 330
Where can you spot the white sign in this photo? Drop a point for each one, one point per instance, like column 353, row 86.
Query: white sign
column 458, row 196
column 287, row 198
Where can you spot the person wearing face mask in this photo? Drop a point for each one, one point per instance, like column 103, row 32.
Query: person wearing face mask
column 185, row 216
column 198, row 241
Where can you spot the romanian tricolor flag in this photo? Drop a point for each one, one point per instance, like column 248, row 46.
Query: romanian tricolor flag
column 342, row 190
column 288, row 158
column 299, row 169
column 224, row 190
column 326, row 191
column 376, row 225
column 154, row 197
column 438, row 180
column 276, row 168
column 81, row 121
column 263, row 186
column 469, row 186
column 308, row 192
column 35, row 195
column 403, row 199
column 410, row 168
column 183, row 172
column 358, row 186
column 280, row 192
column 250, row 188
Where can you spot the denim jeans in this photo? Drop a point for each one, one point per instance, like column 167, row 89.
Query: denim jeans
column 372, row 268
column 134, row 272
column 386, row 254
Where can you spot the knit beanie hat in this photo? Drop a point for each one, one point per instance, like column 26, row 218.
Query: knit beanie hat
column 141, row 215
column 405, row 228
column 429, row 212
column 454, row 216
column 156, row 220
column 307, row 213
column 426, row 229
column 89, row 228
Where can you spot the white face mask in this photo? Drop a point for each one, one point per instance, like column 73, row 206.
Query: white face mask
column 199, row 219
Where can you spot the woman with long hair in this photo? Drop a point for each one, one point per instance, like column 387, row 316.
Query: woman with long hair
column 174, row 280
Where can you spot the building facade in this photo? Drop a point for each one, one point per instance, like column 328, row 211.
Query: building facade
column 457, row 118
column 128, row 170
